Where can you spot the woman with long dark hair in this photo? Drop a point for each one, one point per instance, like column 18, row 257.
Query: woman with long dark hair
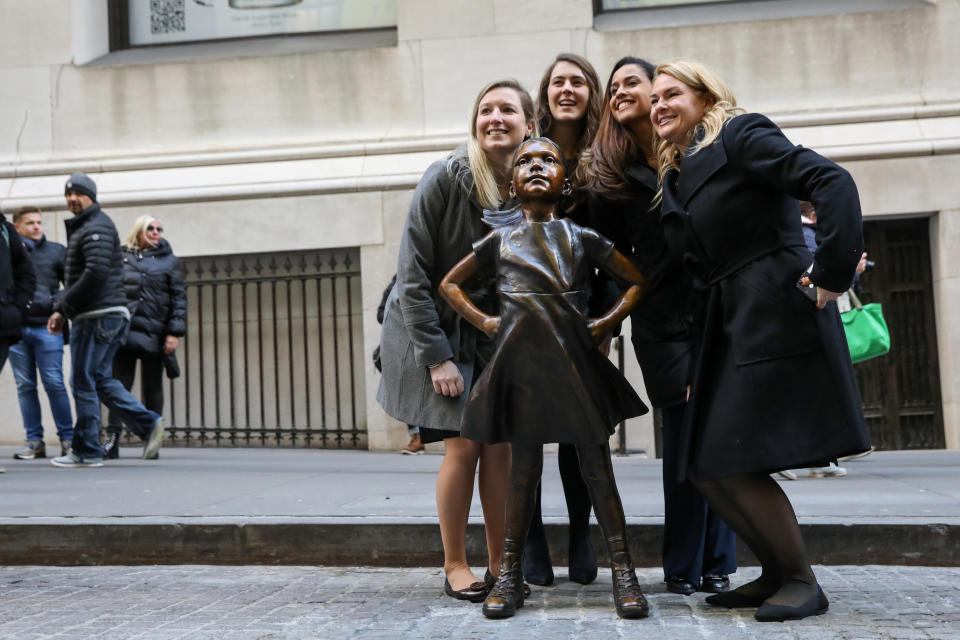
column 430, row 357
column 699, row 549
column 730, row 183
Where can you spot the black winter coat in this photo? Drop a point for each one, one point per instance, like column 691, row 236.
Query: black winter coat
column 660, row 325
column 17, row 281
column 48, row 263
column 156, row 297
column 94, row 268
column 773, row 385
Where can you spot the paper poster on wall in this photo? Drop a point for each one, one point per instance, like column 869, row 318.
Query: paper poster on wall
column 168, row 21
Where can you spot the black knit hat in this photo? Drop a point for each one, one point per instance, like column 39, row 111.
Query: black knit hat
column 82, row 183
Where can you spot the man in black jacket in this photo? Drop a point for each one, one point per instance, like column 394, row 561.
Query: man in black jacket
column 17, row 282
column 39, row 349
column 94, row 300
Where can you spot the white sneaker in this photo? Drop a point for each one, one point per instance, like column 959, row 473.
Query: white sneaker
column 151, row 446
column 73, row 461
column 829, row 471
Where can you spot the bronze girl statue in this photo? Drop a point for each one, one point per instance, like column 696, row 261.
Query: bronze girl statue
column 547, row 381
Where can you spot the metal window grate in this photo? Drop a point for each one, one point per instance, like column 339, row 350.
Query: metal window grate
column 271, row 354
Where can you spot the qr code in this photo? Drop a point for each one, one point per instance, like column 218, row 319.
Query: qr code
column 166, row 16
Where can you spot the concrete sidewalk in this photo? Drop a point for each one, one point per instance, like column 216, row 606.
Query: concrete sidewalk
column 269, row 506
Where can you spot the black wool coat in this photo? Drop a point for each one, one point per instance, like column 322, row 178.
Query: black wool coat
column 48, row 263
column 661, row 323
column 94, row 268
column 156, row 297
column 17, row 282
column 773, row 385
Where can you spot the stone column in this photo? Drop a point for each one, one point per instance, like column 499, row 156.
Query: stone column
column 945, row 264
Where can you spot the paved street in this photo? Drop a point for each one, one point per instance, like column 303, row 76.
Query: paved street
column 240, row 603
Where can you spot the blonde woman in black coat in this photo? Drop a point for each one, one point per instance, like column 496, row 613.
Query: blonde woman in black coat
column 157, row 298
column 730, row 182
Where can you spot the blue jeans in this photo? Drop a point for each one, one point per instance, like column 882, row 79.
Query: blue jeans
column 40, row 349
column 93, row 344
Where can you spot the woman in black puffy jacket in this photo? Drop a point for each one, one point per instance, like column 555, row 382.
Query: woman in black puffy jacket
column 153, row 283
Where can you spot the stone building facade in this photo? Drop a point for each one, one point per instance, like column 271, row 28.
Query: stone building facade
column 290, row 145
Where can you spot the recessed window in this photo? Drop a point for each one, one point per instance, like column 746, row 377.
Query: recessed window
column 616, row 15
column 180, row 21
column 613, row 5
column 145, row 31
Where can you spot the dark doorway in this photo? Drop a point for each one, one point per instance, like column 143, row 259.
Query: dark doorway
column 901, row 390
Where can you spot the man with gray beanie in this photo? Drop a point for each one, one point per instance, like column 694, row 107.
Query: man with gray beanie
column 94, row 300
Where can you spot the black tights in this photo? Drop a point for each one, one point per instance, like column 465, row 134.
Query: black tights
column 151, row 381
column 758, row 510
column 577, row 497
column 596, row 468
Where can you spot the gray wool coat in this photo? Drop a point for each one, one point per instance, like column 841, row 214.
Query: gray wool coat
column 419, row 327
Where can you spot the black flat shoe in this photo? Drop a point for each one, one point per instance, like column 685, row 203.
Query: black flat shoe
column 476, row 592
column 816, row 605
column 676, row 584
column 715, row 584
column 736, row 600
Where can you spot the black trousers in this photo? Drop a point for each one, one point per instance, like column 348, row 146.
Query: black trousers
column 696, row 541
column 151, row 380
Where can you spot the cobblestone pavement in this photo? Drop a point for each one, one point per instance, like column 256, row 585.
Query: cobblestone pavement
column 255, row 602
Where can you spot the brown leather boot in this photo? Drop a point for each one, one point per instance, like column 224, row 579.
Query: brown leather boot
column 506, row 596
column 627, row 596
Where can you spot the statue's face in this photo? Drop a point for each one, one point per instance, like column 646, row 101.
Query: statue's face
column 538, row 171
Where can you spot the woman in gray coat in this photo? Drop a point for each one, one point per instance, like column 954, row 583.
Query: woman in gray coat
column 430, row 356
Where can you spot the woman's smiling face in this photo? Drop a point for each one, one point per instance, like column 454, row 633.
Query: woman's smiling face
column 501, row 124
column 568, row 93
column 676, row 109
column 629, row 94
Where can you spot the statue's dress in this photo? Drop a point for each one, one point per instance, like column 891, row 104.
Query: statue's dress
column 547, row 381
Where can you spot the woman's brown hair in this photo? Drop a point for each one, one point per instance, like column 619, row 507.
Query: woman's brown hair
column 594, row 104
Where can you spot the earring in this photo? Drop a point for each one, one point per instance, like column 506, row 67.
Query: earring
column 567, row 188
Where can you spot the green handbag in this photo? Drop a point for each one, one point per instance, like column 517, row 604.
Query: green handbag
column 867, row 333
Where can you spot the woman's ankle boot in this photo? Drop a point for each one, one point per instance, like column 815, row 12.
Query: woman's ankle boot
column 506, row 596
column 627, row 596
column 111, row 446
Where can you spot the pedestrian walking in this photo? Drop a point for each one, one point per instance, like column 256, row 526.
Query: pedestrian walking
column 157, row 299
column 38, row 349
column 94, row 302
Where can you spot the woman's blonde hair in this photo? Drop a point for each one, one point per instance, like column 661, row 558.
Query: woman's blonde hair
column 477, row 173
column 721, row 106
column 133, row 238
